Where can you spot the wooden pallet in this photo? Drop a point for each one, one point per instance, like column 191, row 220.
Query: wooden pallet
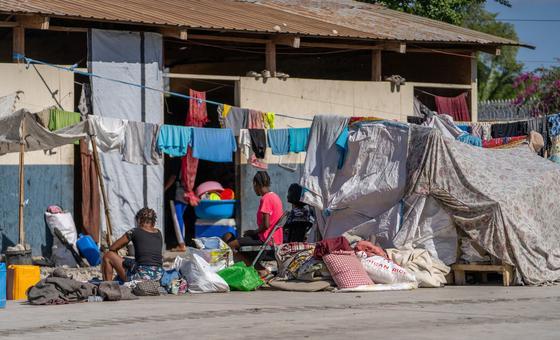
column 459, row 272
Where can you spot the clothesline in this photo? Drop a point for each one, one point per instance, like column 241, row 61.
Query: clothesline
column 73, row 69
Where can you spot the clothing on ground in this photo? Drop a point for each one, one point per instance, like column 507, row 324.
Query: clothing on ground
column 147, row 246
column 325, row 247
column 174, row 140
column 140, row 143
column 298, row 139
column 258, row 142
column 59, row 119
column 271, row 205
column 214, row 145
column 456, row 107
column 59, row 290
column 279, row 141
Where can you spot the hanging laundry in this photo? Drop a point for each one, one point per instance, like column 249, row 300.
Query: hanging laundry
column 357, row 120
column 279, row 141
column 44, row 117
column 298, row 139
column 91, row 198
column 258, row 142
column 223, row 111
column 108, row 132
column 511, row 129
column 174, row 140
column 555, row 150
column 255, row 120
column 59, row 119
column 470, row 139
column 198, row 116
column 247, row 150
column 140, row 143
column 342, row 144
column 268, row 118
column 235, row 118
column 456, row 107
column 464, row 127
column 214, row 145
column 415, row 120
column 84, row 105
column 540, row 125
column 554, row 122
column 504, row 142
column 536, row 142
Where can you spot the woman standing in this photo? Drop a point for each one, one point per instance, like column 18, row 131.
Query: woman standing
column 269, row 213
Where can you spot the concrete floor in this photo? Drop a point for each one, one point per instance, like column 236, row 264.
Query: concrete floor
column 447, row 313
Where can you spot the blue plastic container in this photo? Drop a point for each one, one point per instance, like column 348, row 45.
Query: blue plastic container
column 89, row 249
column 214, row 210
column 3, row 285
column 213, row 230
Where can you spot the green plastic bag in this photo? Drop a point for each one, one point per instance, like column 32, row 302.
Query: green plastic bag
column 241, row 277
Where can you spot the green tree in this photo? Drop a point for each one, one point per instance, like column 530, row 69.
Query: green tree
column 496, row 74
column 451, row 11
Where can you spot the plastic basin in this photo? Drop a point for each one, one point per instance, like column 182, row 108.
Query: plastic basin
column 211, row 210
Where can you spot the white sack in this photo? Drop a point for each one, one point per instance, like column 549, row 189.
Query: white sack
column 381, row 270
column 61, row 256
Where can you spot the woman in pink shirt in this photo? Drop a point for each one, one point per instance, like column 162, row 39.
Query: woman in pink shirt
column 269, row 213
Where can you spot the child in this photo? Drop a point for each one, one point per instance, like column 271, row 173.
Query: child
column 300, row 219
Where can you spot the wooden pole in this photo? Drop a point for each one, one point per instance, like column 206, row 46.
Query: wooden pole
column 103, row 193
column 21, row 194
column 376, row 65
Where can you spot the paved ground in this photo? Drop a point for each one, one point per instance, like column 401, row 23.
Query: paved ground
column 446, row 313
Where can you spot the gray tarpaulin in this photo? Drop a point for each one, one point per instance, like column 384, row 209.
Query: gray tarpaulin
column 136, row 58
column 23, row 126
column 367, row 187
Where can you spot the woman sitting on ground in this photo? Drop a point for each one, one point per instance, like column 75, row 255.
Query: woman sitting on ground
column 148, row 258
column 269, row 213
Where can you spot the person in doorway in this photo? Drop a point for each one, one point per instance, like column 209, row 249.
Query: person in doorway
column 300, row 218
column 148, row 257
column 268, row 215
column 175, row 195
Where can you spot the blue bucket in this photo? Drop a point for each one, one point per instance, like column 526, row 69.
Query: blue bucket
column 215, row 210
column 2, row 285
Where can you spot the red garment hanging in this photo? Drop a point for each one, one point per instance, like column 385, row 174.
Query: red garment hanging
column 197, row 117
column 456, row 107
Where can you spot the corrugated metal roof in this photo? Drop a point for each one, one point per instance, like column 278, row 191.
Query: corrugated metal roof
column 319, row 18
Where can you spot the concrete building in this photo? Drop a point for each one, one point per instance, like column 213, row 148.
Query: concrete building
column 338, row 55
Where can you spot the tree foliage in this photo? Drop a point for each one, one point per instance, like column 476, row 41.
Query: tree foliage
column 540, row 89
column 451, row 11
column 496, row 74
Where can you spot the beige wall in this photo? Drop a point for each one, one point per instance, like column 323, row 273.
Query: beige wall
column 305, row 98
column 36, row 97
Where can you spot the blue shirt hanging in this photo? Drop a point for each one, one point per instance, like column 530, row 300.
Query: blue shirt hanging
column 298, row 139
column 174, row 140
column 214, row 145
column 279, row 141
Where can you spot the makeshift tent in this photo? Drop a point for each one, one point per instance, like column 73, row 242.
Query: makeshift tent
column 21, row 132
column 504, row 200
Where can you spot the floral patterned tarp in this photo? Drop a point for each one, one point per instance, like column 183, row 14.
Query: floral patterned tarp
column 505, row 200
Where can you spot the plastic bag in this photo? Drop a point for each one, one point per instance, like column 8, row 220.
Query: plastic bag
column 241, row 277
column 215, row 251
column 61, row 256
column 381, row 270
column 199, row 275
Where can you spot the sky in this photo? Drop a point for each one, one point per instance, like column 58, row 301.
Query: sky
column 545, row 36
